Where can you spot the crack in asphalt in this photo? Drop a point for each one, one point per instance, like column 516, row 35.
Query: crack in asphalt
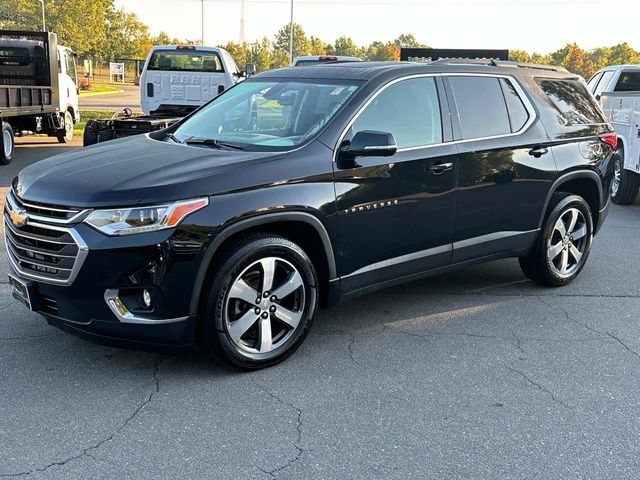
column 87, row 451
column 296, row 444
column 591, row 329
column 350, row 342
column 541, row 387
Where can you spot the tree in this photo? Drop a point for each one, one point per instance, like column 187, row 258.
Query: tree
column 571, row 57
column 301, row 44
column 379, row 51
column 317, row 46
column 345, row 46
column 240, row 52
column 407, row 41
column 519, row 56
column 128, row 37
column 623, row 54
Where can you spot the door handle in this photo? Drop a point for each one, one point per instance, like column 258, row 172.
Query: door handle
column 538, row 151
column 439, row 167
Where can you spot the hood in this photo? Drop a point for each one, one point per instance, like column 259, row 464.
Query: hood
column 130, row 171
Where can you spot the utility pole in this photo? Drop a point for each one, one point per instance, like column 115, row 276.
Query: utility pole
column 44, row 29
column 242, row 37
column 202, row 18
column 291, row 36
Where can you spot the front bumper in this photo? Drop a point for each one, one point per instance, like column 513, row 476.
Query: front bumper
column 163, row 263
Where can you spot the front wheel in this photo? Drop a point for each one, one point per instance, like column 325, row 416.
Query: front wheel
column 261, row 302
column 625, row 185
column 8, row 144
column 564, row 243
column 66, row 134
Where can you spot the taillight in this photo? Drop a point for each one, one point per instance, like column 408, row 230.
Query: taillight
column 185, row 47
column 610, row 139
column 328, row 58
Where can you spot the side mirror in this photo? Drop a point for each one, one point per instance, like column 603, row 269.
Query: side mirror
column 598, row 97
column 249, row 69
column 366, row 143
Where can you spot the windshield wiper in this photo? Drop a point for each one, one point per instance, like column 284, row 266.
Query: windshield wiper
column 173, row 137
column 211, row 142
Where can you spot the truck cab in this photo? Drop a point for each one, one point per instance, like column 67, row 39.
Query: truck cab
column 180, row 78
column 617, row 88
column 68, row 87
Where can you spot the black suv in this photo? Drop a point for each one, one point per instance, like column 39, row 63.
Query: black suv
column 301, row 188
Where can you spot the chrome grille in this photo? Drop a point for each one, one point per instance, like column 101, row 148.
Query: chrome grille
column 39, row 251
column 45, row 213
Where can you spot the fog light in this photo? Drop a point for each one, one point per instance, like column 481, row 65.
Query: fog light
column 146, row 298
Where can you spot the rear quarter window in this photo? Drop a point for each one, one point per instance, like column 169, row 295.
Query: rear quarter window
column 574, row 103
column 628, row 82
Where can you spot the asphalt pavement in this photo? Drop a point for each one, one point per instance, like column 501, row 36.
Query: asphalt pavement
column 476, row 374
column 130, row 98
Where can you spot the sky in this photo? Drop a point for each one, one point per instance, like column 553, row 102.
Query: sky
column 532, row 25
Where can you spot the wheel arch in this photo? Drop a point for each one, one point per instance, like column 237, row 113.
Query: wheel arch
column 585, row 183
column 302, row 228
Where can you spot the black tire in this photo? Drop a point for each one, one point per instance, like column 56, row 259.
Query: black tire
column 8, row 144
column 90, row 134
column 248, row 350
column 66, row 134
column 625, row 185
column 545, row 263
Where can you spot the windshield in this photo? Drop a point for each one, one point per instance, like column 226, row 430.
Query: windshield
column 268, row 115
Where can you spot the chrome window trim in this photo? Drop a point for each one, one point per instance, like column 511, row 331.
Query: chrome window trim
column 533, row 115
column 83, row 251
column 125, row 316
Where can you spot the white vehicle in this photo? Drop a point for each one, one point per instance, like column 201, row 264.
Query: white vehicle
column 183, row 77
column 309, row 60
column 38, row 88
column 617, row 88
column 175, row 80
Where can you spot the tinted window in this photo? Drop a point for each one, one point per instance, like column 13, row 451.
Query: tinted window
column 603, row 84
column 481, row 106
column 409, row 110
column 185, row 61
column 628, row 82
column 518, row 114
column 572, row 100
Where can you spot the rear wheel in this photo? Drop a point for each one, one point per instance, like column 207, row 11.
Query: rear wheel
column 625, row 185
column 66, row 134
column 564, row 244
column 90, row 134
column 8, row 144
column 261, row 302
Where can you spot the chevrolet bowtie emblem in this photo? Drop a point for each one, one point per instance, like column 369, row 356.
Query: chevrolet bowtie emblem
column 18, row 218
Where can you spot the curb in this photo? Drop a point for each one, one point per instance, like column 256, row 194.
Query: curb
column 95, row 94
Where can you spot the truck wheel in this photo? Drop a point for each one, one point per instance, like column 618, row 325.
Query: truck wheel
column 625, row 185
column 90, row 134
column 564, row 243
column 8, row 142
column 66, row 134
column 261, row 302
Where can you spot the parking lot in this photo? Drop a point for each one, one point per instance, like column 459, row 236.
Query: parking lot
column 474, row 374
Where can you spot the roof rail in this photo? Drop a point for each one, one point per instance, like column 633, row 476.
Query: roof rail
column 497, row 63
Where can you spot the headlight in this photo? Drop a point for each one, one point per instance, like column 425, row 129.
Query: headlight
column 126, row 221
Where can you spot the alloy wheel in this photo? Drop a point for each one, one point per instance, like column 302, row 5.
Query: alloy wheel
column 264, row 305
column 617, row 174
column 567, row 243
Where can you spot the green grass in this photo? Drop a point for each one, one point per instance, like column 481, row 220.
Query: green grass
column 102, row 88
column 78, row 128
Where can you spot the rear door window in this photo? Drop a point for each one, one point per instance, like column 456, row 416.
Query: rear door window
column 628, row 82
column 572, row 101
column 481, row 107
column 408, row 109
